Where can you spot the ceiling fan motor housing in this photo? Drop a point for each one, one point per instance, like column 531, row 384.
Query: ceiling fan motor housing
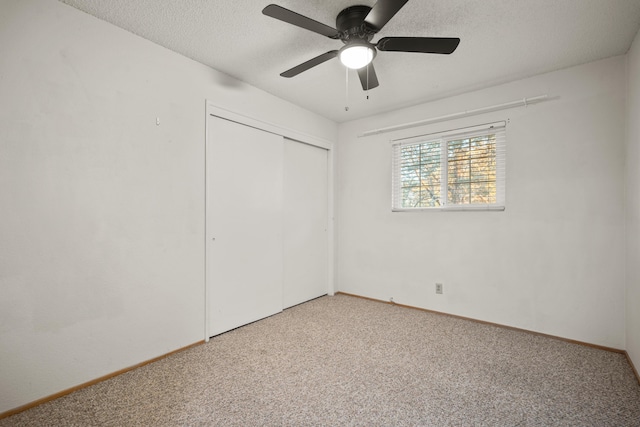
column 352, row 26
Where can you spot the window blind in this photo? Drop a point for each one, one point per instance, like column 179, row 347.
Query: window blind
column 460, row 169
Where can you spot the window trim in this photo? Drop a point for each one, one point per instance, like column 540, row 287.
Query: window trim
column 397, row 144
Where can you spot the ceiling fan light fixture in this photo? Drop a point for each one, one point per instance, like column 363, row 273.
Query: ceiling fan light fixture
column 356, row 56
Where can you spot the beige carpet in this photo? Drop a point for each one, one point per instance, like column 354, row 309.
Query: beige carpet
column 344, row 361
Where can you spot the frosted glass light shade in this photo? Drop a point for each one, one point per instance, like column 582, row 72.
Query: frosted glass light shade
column 356, row 56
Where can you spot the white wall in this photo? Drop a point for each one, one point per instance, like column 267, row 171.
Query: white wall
column 552, row 262
column 102, row 211
column 633, row 204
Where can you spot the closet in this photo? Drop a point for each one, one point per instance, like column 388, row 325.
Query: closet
column 266, row 223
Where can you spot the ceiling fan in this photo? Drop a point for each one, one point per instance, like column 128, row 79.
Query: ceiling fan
column 356, row 26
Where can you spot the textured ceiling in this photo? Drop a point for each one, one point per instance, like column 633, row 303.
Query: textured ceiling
column 501, row 41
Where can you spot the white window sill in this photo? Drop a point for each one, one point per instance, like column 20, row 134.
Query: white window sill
column 450, row 209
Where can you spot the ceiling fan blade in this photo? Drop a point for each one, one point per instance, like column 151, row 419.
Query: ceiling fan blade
column 444, row 45
column 382, row 12
column 301, row 21
column 368, row 77
column 310, row 64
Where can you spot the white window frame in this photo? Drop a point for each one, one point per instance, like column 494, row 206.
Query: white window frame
column 499, row 128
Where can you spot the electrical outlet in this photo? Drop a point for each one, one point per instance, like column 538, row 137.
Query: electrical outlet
column 438, row 288
column 391, row 300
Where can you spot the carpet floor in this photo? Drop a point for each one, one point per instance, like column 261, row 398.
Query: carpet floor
column 345, row 361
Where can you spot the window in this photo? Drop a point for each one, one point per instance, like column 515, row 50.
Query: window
column 463, row 169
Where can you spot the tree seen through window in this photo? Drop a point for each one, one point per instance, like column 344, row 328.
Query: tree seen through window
column 449, row 172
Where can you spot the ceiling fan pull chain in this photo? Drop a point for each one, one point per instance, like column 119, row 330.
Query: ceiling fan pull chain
column 346, row 93
column 367, row 82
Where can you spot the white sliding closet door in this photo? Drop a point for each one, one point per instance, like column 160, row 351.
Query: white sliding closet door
column 305, row 222
column 244, row 224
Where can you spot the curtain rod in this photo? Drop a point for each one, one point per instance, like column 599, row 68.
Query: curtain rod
column 497, row 107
